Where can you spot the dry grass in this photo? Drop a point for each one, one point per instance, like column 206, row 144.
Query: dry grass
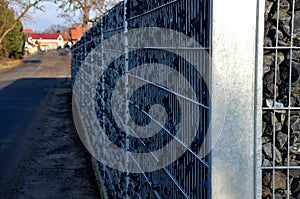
column 8, row 64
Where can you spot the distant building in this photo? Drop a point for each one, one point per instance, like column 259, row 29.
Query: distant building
column 76, row 32
column 42, row 42
column 28, row 31
column 66, row 36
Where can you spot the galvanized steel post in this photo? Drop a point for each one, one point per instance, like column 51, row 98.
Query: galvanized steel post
column 236, row 41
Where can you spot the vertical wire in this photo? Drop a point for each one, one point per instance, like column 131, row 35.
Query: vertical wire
column 289, row 95
column 288, row 156
column 126, row 64
column 273, row 148
column 275, row 94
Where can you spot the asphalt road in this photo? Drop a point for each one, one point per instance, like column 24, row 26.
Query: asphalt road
column 23, row 91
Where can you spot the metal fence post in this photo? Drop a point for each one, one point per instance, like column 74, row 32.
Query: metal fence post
column 234, row 63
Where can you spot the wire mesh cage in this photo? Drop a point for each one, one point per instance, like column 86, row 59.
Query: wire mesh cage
column 189, row 175
column 231, row 170
column 281, row 105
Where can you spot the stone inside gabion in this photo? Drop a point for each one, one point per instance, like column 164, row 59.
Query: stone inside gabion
column 285, row 77
column 280, row 184
column 277, row 121
column 282, row 75
column 281, row 92
column 285, row 33
column 189, row 17
column 276, row 182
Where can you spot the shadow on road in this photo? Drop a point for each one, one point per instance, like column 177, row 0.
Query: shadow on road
column 40, row 152
column 31, row 61
column 20, row 100
column 20, row 103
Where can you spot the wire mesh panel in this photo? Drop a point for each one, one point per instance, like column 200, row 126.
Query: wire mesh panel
column 281, row 100
column 189, row 175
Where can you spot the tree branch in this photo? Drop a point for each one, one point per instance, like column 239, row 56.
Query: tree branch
column 23, row 13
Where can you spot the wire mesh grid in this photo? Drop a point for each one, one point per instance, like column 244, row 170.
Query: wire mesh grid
column 281, row 100
column 187, row 177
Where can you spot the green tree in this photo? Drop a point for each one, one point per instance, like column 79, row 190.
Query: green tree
column 6, row 19
column 22, row 7
column 14, row 42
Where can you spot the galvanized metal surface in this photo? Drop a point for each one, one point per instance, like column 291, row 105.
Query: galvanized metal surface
column 234, row 60
column 257, row 188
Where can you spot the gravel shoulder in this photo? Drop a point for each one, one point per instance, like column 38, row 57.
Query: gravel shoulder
column 54, row 163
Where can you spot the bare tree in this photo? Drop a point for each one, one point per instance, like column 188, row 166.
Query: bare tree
column 90, row 10
column 100, row 11
column 21, row 7
column 56, row 29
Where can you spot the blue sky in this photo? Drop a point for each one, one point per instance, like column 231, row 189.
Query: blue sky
column 39, row 20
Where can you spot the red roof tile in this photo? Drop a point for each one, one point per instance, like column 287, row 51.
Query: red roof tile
column 28, row 30
column 76, row 33
column 43, row 36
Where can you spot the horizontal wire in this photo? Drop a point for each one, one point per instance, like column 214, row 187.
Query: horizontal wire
column 174, row 137
column 154, row 9
column 168, row 90
column 111, row 30
column 282, row 167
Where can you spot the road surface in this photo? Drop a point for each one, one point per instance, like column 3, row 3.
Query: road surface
column 37, row 136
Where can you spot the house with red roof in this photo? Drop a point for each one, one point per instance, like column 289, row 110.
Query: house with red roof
column 42, row 42
column 76, row 32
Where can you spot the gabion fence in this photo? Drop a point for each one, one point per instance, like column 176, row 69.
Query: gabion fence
column 189, row 175
column 258, row 153
column 281, row 100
